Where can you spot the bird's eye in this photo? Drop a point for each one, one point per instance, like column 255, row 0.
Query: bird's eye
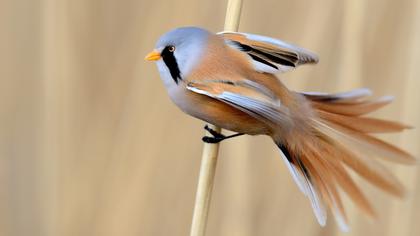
column 171, row 48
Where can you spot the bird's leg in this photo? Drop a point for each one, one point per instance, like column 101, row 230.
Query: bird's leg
column 217, row 137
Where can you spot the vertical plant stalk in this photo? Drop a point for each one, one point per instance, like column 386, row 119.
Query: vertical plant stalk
column 210, row 151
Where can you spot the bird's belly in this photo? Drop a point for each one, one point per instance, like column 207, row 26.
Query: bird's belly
column 215, row 112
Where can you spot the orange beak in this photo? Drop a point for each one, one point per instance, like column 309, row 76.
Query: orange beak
column 153, row 56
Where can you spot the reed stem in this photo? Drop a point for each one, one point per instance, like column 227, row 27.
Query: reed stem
column 210, row 151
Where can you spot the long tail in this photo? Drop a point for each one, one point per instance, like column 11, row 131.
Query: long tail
column 341, row 141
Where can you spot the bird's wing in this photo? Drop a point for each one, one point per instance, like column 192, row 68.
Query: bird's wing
column 269, row 55
column 245, row 95
column 345, row 97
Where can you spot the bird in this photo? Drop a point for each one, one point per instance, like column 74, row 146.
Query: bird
column 229, row 79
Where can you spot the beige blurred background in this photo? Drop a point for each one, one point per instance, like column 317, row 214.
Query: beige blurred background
column 90, row 144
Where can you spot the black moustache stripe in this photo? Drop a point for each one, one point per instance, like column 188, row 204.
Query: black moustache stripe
column 170, row 61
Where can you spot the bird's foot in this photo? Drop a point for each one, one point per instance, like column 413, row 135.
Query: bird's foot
column 217, row 137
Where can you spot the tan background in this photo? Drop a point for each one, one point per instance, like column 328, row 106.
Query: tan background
column 91, row 145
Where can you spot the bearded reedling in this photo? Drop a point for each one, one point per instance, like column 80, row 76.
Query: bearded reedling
column 227, row 79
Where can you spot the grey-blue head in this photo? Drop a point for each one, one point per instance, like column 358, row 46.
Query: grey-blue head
column 180, row 50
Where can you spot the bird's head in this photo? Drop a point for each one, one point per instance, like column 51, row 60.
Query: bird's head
column 179, row 50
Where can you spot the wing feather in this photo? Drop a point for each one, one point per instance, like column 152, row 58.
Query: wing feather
column 345, row 97
column 245, row 95
column 269, row 55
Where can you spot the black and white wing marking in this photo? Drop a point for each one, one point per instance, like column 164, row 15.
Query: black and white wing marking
column 269, row 55
column 245, row 95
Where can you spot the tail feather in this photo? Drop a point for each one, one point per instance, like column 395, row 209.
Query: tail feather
column 367, row 143
column 321, row 154
column 363, row 124
column 303, row 179
column 330, row 195
column 323, row 175
column 352, row 109
column 320, row 162
column 368, row 168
